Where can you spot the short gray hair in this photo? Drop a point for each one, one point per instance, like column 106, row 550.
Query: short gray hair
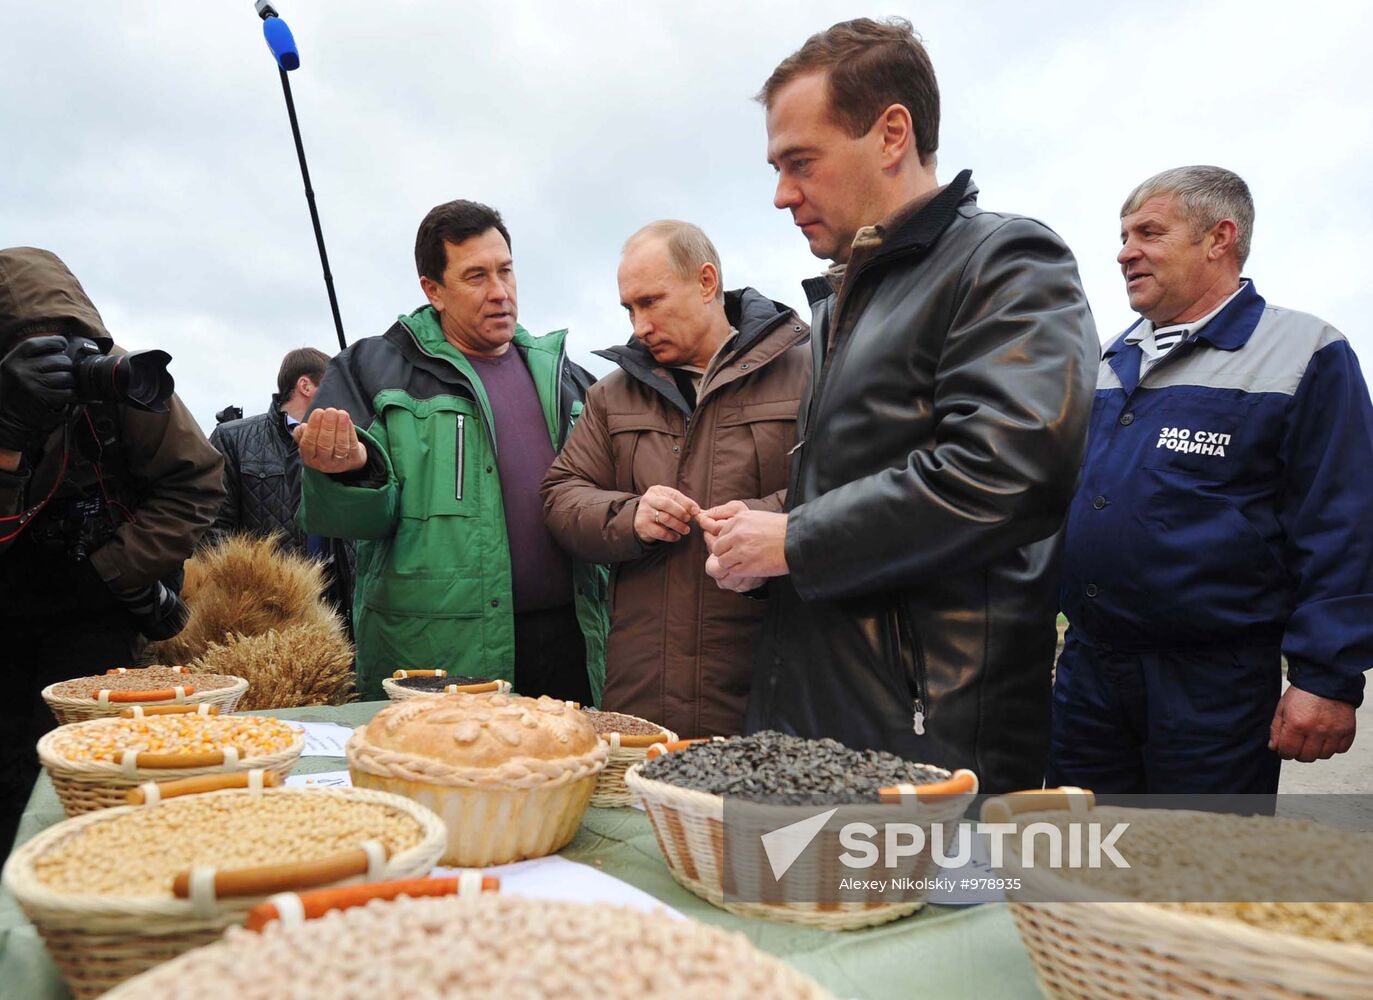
column 688, row 247
column 1206, row 195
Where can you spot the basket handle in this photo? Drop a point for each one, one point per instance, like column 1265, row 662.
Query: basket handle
column 208, row 758
column 961, row 782
column 140, row 711
column 267, row 879
column 129, row 670
column 672, row 746
column 152, row 792
column 295, row 908
column 107, row 697
column 1003, row 808
column 633, row 741
column 483, row 688
column 398, row 675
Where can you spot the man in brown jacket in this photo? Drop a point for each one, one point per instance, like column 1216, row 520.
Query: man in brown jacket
column 702, row 412
column 100, row 503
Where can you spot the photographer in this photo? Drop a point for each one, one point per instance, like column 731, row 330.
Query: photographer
column 106, row 483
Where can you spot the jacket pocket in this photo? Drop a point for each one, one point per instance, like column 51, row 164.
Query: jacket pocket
column 642, row 444
column 772, row 433
column 439, row 449
column 908, row 660
column 424, row 597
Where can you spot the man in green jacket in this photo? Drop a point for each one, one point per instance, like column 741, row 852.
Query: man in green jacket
column 428, row 444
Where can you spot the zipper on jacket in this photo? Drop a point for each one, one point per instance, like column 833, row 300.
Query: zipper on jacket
column 916, row 674
column 457, row 484
column 558, row 396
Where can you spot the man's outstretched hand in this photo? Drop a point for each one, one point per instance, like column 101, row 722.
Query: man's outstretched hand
column 329, row 443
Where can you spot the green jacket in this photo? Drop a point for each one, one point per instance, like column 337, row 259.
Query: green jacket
column 433, row 559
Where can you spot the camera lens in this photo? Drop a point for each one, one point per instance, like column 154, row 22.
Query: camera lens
column 140, row 379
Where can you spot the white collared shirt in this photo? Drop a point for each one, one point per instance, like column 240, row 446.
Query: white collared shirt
column 1156, row 342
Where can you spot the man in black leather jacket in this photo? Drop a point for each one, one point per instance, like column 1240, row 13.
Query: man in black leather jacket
column 940, row 442
column 262, row 474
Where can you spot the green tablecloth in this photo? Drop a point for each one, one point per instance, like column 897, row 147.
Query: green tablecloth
column 939, row 952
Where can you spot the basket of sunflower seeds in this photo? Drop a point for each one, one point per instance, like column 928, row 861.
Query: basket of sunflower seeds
column 683, row 787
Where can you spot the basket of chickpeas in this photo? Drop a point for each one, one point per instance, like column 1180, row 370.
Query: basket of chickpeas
column 403, row 684
column 93, row 764
column 121, row 688
column 115, row 892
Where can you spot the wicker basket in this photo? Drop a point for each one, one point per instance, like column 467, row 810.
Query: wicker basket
column 98, row 941
column 67, row 710
column 1091, row 946
column 625, row 751
column 689, row 827
column 397, row 693
column 83, row 786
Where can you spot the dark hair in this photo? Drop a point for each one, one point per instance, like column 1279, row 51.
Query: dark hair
column 451, row 222
column 871, row 65
column 305, row 361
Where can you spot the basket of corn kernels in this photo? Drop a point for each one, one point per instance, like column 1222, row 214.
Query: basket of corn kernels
column 94, row 764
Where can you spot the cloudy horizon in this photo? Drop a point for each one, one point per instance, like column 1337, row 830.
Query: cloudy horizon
column 148, row 145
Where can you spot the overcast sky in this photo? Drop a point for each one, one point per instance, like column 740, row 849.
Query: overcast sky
column 147, row 144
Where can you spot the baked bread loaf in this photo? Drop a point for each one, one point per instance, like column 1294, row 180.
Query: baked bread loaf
column 510, row 776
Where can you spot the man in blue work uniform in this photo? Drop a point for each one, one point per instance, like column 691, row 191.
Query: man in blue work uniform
column 1224, row 520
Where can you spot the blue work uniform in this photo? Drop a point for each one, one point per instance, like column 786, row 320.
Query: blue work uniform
column 1224, row 520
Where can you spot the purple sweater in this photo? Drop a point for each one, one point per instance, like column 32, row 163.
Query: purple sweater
column 540, row 573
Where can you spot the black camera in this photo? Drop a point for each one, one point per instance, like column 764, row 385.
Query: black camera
column 139, row 379
column 229, row 412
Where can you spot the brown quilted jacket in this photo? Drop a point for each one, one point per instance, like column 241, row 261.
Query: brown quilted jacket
column 680, row 650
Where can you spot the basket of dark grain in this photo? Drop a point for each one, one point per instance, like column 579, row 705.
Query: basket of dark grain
column 628, row 738
column 405, row 684
column 683, row 791
column 108, row 694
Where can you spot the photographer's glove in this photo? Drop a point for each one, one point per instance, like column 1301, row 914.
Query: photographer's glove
column 159, row 612
column 36, row 387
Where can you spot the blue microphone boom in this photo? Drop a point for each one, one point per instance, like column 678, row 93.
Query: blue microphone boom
column 287, row 56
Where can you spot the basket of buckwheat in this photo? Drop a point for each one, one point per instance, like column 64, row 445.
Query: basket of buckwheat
column 683, row 786
column 118, row 891
column 93, row 764
column 405, row 684
column 127, row 687
column 477, row 945
column 1172, row 924
column 628, row 739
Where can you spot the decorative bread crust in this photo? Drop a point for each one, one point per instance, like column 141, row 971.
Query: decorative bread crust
column 479, row 741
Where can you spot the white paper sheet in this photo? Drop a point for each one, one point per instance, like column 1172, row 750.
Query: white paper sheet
column 557, row 878
column 323, row 739
column 323, row 779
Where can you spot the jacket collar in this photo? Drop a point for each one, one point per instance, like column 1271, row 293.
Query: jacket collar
column 750, row 312
column 905, row 231
column 1229, row 331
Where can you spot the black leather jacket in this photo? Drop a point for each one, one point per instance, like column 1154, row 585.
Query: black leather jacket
column 940, row 446
column 262, row 486
column 261, row 477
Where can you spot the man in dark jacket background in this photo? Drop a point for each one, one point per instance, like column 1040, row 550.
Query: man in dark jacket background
column 100, row 504
column 262, row 474
column 702, row 411
column 939, row 445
